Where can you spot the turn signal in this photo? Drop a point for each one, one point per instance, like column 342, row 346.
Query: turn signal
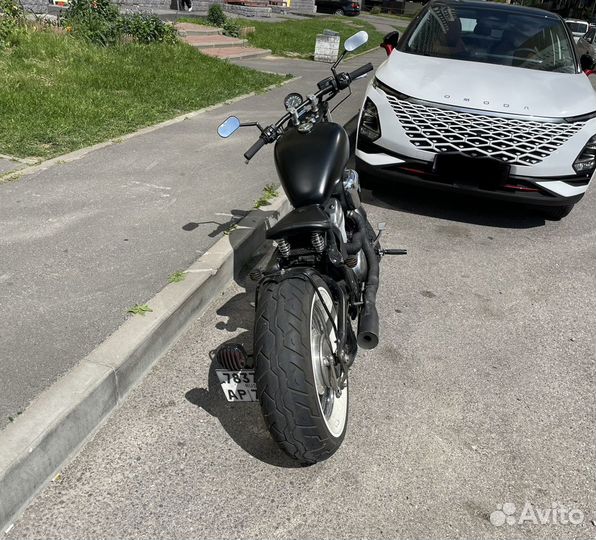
column 232, row 356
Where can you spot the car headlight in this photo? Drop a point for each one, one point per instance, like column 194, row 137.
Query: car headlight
column 586, row 161
column 370, row 127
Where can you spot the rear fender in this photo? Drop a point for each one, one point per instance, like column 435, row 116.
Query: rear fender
column 306, row 218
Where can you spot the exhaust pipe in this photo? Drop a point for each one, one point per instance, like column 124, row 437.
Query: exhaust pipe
column 368, row 323
column 368, row 327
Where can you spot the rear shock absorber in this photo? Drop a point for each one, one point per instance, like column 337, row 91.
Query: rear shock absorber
column 318, row 242
column 284, row 247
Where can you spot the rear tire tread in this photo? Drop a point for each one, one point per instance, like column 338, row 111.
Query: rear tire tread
column 282, row 353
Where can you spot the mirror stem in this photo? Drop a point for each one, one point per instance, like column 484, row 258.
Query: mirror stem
column 252, row 124
column 341, row 57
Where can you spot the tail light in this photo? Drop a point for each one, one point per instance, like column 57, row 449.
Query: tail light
column 388, row 48
column 232, row 356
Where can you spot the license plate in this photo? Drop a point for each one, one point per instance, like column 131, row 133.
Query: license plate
column 238, row 385
column 458, row 168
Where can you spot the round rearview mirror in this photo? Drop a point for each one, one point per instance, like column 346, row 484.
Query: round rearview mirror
column 357, row 40
column 229, row 126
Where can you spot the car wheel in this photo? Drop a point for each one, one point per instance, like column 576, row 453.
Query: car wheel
column 339, row 12
column 555, row 213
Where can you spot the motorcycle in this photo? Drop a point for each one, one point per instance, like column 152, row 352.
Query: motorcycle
column 323, row 276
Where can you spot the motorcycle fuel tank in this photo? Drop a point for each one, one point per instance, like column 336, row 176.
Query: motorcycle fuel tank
column 309, row 164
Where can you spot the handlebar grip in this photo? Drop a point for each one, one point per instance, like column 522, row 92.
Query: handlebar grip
column 361, row 71
column 249, row 154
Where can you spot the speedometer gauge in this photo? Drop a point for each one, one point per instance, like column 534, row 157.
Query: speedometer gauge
column 292, row 100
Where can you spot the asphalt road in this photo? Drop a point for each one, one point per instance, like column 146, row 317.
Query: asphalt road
column 480, row 394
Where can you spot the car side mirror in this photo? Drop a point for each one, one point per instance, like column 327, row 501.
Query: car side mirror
column 586, row 62
column 390, row 42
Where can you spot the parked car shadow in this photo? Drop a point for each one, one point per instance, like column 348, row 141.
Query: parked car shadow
column 454, row 206
column 242, row 421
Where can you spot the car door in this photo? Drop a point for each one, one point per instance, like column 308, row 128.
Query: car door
column 322, row 6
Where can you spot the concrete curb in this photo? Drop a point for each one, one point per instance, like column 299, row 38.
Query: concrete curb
column 82, row 152
column 62, row 418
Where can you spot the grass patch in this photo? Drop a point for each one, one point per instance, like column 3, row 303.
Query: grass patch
column 140, row 309
column 13, row 418
column 177, row 277
column 404, row 18
column 297, row 38
column 269, row 193
column 59, row 94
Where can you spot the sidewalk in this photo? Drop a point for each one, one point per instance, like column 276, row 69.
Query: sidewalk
column 84, row 241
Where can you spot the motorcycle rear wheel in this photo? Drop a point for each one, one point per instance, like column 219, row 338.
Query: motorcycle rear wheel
column 294, row 338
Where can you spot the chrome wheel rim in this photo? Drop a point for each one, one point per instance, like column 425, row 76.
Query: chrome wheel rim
column 323, row 344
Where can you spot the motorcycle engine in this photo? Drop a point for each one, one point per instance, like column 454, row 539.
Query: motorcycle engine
column 350, row 201
column 337, row 217
column 351, row 185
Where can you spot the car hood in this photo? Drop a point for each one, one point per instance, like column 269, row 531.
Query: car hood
column 489, row 87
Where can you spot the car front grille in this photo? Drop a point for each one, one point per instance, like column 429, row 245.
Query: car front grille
column 519, row 142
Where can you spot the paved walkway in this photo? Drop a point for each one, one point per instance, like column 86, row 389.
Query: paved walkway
column 82, row 242
column 8, row 165
column 211, row 41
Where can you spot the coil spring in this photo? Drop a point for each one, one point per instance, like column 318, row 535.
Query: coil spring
column 351, row 261
column 284, row 247
column 318, row 242
column 256, row 274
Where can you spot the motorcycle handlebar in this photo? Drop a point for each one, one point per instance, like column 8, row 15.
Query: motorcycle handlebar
column 361, row 71
column 249, row 154
column 332, row 88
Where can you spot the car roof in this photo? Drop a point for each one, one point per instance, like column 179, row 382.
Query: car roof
column 498, row 7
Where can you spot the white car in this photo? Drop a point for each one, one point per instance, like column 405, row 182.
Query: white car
column 578, row 28
column 482, row 97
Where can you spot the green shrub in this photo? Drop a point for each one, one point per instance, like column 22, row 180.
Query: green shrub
column 231, row 29
column 145, row 28
column 12, row 20
column 216, row 16
column 100, row 22
column 96, row 21
column 375, row 10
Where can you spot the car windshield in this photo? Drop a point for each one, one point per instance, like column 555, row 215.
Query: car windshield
column 494, row 36
column 577, row 27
